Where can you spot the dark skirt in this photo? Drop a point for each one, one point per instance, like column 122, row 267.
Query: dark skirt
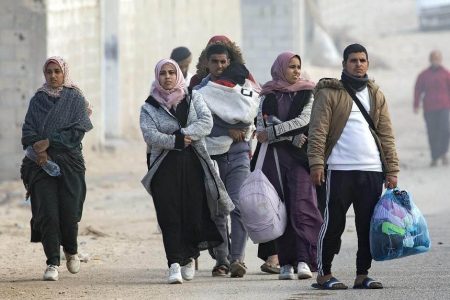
column 299, row 241
column 181, row 207
column 267, row 249
column 56, row 204
column 69, row 189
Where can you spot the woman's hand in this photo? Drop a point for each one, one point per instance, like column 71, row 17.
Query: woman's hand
column 302, row 139
column 42, row 158
column 41, row 146
column 262, row 136
column 187, row 141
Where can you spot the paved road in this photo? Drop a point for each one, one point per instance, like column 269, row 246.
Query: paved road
column 422, row 276
column 129, row 264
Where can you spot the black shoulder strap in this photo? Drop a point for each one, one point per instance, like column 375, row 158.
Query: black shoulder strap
column 360, row 106
column 189, row 93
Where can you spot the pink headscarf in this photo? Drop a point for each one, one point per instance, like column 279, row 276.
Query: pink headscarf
column 168, row 98
column 279, row 81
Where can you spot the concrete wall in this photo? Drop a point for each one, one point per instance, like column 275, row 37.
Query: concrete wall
column 147, row 30
column 150, row 29
column 74, row 32
column 112, row 46
column 22, row 50
column 30, row 32
column 269, row 28
column 111, row 104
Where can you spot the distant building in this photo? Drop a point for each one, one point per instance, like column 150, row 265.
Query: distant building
column 433, row 14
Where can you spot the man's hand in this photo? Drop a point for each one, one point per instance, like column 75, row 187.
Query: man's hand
column 317, row 176
column 41, row 145
column 261, row 136
column 41, row 158
column 416, row 110
column 238, row 135
column 390, row 182
column 187, row 141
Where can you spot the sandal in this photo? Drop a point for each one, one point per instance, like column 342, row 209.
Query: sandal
column 369, row 283
column 269, row 268
column 220, row 271
column 330, row 284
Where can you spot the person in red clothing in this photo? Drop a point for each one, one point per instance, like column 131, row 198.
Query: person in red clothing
column 433, row 89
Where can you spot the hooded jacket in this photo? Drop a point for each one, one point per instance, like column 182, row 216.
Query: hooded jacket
column 330, row 112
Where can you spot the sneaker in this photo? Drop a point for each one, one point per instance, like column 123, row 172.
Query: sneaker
column 303, row 271
column 72, row 262
column 237, row 269
column 175, row 274
column 188, row 271
column 51, row 273
column 286, row 272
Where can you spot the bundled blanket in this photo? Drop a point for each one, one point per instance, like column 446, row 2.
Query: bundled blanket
column 232, row 108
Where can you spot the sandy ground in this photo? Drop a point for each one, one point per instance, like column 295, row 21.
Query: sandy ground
column 118, row 229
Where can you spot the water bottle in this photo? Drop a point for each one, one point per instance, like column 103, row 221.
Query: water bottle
column 50, row 167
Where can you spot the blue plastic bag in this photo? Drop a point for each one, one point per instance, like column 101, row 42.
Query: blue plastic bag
column 397, row 228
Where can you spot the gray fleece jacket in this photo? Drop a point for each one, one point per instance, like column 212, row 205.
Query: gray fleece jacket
column 158, row 126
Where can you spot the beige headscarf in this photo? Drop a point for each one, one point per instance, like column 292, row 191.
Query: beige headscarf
column 67, row 82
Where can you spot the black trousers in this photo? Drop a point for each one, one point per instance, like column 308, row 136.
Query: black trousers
column 438, row 132
column 56, row 213
column 343, row 188
column 267, row 249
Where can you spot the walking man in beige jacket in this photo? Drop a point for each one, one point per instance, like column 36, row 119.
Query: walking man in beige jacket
column 351, row 148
